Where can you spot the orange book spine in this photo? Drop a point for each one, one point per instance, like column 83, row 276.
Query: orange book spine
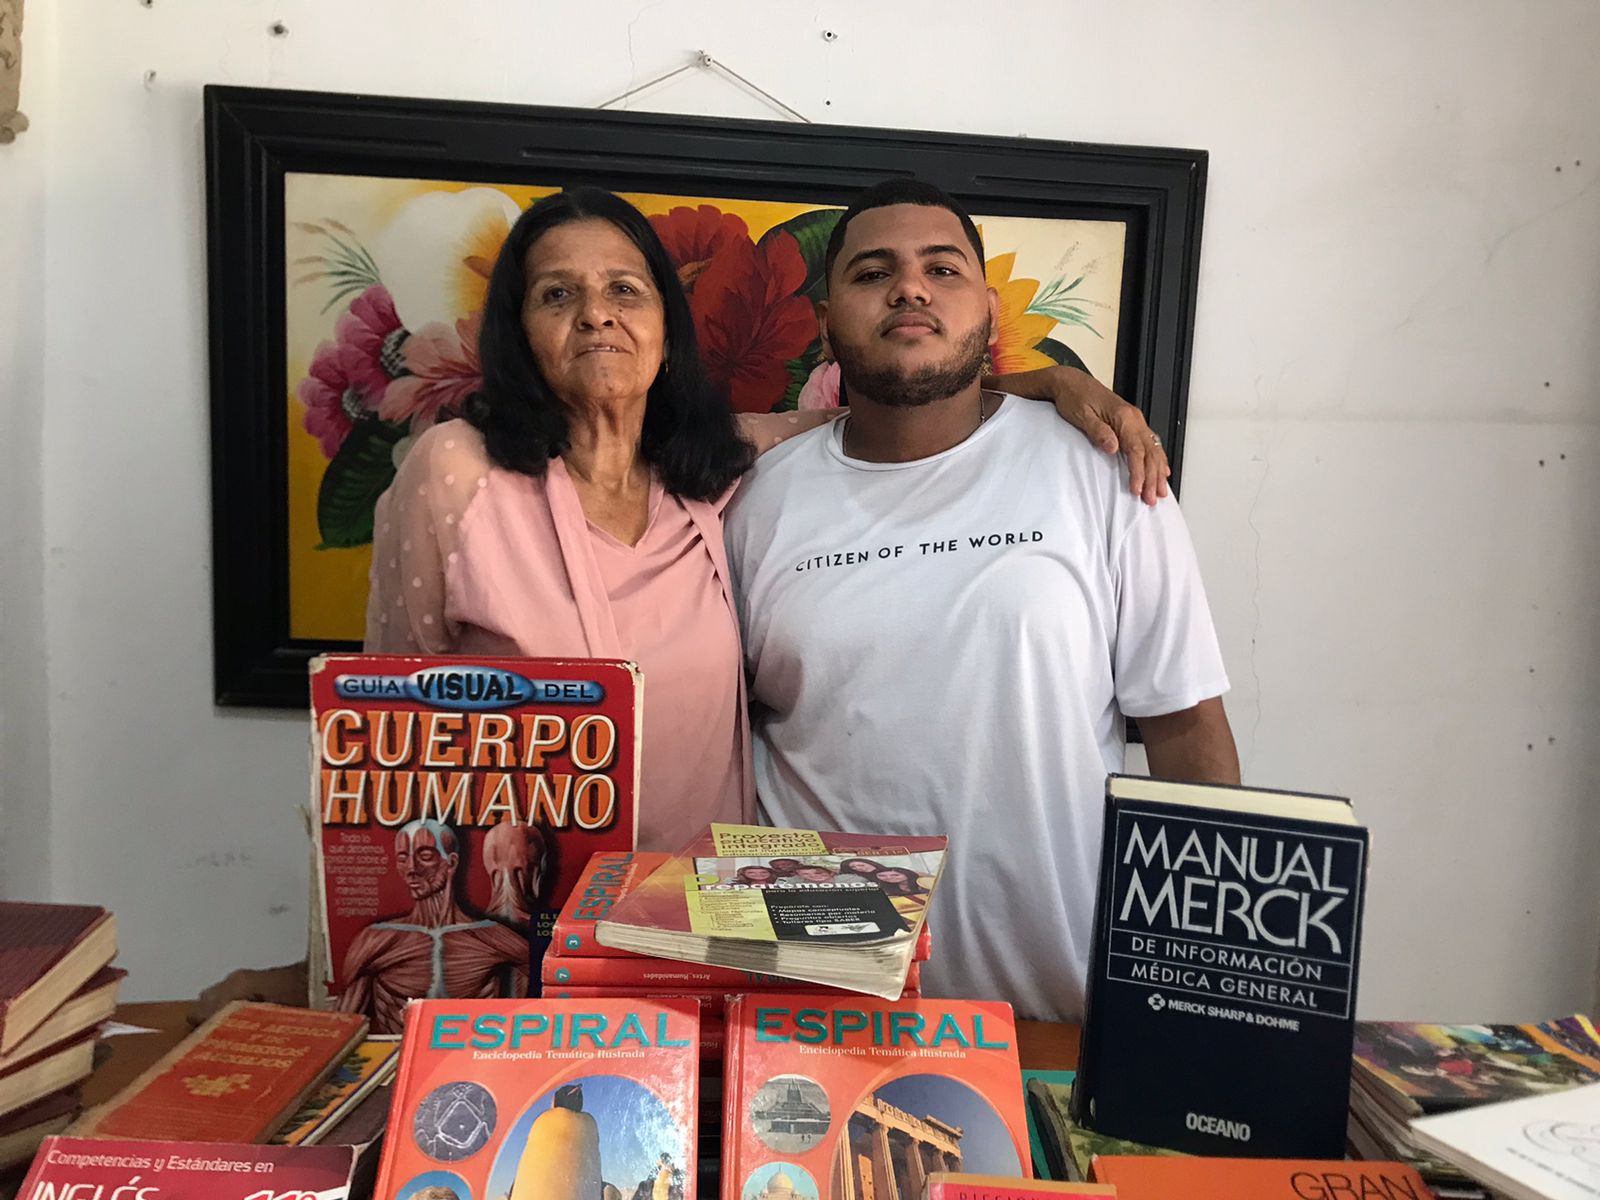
column 732, row 1101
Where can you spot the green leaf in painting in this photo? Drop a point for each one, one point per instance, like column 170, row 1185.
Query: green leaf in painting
column 1061, row 353
column 811, row 231
column 358, row 474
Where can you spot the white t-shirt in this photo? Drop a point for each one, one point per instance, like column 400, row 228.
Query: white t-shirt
column 949, row 646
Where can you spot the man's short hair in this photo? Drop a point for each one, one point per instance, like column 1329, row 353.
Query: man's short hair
column 899, row 191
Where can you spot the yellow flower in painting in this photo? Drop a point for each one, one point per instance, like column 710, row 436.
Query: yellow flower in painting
column 480, row 246
column 1018, row 331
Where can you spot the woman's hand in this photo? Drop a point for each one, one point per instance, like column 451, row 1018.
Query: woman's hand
column 1105, row 418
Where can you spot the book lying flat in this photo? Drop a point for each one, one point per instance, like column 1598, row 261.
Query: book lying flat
column 91, row 1004
column 368, row 1067
column 636, row 973
column 841, row 909
column 238, row 1078
column 943, row 1186
column 22, row 1131
column 73, row 1167
column 609, row 876
column 1540, row 1148
column 49, row 1070
column 1143, row 1178
column 47, row 952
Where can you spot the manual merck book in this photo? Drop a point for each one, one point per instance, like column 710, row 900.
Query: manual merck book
column 841, row 909
column 1222, row 984
column 458, row 801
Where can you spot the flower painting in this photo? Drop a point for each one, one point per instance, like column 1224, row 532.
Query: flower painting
column 385, row 287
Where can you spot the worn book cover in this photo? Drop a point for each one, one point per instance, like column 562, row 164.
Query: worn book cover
column 544, row 1100
column 1416, row 1068
column 366, row 1068
column 238, row 1078
column 1542, row 1146
column 47, row 1070
column 1222, row 980
column 1145, row 1178
column 21, row 1131
column 856, row 1099
column 608, row 877
column 84, row 1010
column 67, row 1168
column 840, row 909
column 47, row 952
column 459, row 801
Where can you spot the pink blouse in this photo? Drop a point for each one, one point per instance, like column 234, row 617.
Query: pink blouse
column 472, row 559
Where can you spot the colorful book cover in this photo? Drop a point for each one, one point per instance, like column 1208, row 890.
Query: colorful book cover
column 459, row 801
column 609, row 876
column 1222, row 978
column 992, row 1187
column 1542, row 1146
column 238, row 1078
column 707, row 994
column 1426, row 1068
column 1156, row 1178
column 661, row 974
column 367, row 1067
column 858, row 1099
column 544, row 1100
column 67, row 1168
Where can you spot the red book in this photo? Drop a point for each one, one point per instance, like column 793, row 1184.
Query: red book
column 992, row 1187
column 91, row 1004
column 47, row 952
column 608, row 876
column 527, row 1099
column 661, row 974
column 1142, row 1178
column 238, row 1078
column 713, row 998
column 22, row 1131
column 70, row 1167
column 827, row 1094
column 459, row 800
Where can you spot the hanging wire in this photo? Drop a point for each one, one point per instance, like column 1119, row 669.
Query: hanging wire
column 704, row 61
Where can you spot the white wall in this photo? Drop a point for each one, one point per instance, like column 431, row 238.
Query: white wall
column 24, row 693
column 1394, row 268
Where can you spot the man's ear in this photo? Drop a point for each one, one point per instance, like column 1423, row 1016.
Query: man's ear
column 822, row 330
column 994, row 313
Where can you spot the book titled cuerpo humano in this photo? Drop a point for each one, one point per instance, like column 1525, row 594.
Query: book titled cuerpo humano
column 545, row 1099
column 840, row 909
column 1222, row 982
column 856, row 1098
column 457, row 803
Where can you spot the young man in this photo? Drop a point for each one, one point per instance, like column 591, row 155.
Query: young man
column 950, row 601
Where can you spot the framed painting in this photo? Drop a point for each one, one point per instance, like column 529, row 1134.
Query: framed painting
column 350, row 240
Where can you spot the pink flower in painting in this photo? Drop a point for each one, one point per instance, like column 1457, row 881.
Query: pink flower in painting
column 373, row 341
column 444, row 370
column 333, row 399
column 821, row 388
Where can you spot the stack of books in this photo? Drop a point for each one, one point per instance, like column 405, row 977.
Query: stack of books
column 56, row 988
column 1405, row 1071
column 578, row 966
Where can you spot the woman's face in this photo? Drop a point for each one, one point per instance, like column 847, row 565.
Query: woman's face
column 859, row 866
column 815, row 874
column 757, row 875
column 592, row 314
column 892, row 876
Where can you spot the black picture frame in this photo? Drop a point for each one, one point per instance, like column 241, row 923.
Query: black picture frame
column 255, row 136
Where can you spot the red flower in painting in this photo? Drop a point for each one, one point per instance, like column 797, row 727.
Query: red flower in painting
column 372, row 338
column 695, row 236
column 333, row 399
column 445, row 370
column 751, row 321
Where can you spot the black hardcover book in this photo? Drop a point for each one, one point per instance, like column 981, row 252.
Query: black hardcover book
column 1222, row 983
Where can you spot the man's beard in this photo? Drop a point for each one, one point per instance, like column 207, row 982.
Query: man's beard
column 898, row 388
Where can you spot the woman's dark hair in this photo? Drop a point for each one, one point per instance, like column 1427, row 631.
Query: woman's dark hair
column 873, row 867
column 689, row 438
column 900, row 887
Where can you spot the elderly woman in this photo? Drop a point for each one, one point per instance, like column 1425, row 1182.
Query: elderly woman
column 576, row 509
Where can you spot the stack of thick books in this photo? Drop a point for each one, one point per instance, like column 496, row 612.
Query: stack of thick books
column 56, row 988
column 1405, row 1071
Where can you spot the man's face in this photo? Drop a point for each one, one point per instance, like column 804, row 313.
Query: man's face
column 908, row 315
column 422, row 863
